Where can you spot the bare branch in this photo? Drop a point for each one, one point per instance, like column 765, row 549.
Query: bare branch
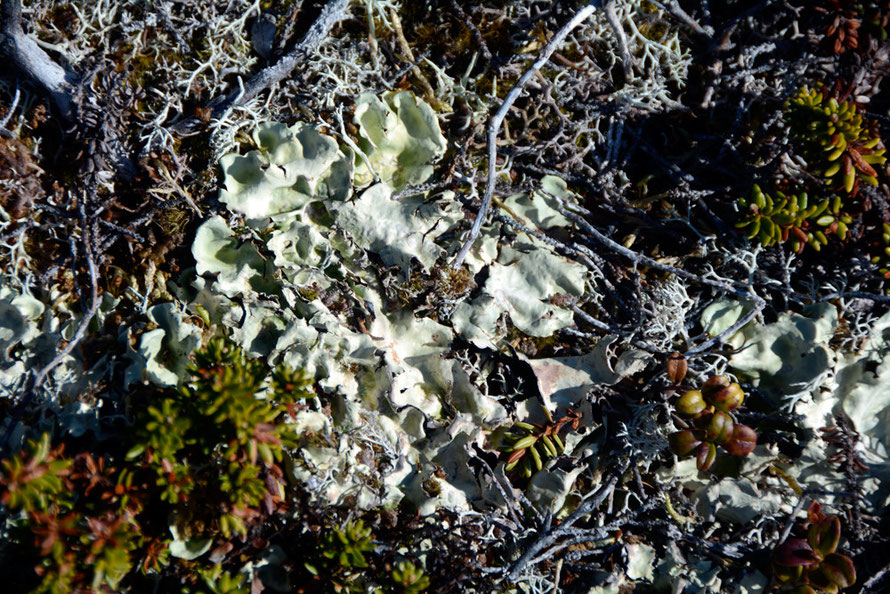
column 33, row 62
column 549, row 537
column 331, row 14
column 494, row 125
column 8, row 116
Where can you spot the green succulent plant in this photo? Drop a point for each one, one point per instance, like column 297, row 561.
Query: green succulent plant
column 798, row 218
column 882, row 259
column 33, row 479
column 209, row 449
column 809, row 565
column 711, row 423
column 528, row 445
column 218, row 581
column 75, row 544
column 408, row 579
column 835, row 139
column 340, row 559
column 347, row 546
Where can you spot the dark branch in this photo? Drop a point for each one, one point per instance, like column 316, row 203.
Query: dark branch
column 24, row 53
column 331, row 14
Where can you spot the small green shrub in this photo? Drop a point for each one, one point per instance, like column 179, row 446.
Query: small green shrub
column 218, row 438
column 205, row 457
column 341, row 557
column 408, row 579
column 69, row 519
column 835, row 140
column 798, row 218
column 527, row 445
column 809, row 565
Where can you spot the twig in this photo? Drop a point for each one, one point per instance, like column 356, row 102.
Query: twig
column 734, row 287
column 758, row 307
column 164, row 13
column 857, row 295
column 787, row 529
column 494, row 125
column 33, row 62
column 618, row 30
column 331, row 14
column 549, row 537
column 43, row 373
column 428, row 91
column 875, row 580
column 8, row 116
column 88, row 315
column 674, row 9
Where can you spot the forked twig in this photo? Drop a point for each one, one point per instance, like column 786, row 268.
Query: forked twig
column 548, row 537
column 494, row 125
column 43, row 373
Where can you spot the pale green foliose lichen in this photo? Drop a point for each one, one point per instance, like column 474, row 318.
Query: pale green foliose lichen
column 792, row 359
column 400, row 139
column 163, row 352
column 302, row 284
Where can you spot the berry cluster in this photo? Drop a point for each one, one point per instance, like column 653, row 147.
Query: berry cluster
column 711, row 423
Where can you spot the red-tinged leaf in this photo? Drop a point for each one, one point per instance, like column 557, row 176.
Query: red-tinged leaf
column 787, row 575
column 684, row 442
column 516, row 456
column 728, row 398
column 705, row 456
column 839, row 570
column 821, row 582
column 795, row 552
column 824, row 535
column 714, row 384
column 720, row 428
column 691, row 404
column 677, row 366
column 861, row 165
column 743, row 441
column 814, row 513
column 218, row 554
column 268, row 503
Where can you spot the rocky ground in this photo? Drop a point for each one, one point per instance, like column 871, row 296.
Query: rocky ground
column 444, row 296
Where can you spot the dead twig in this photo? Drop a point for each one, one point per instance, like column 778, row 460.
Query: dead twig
column 875, row 580
column 548, row 537
column 331, row 14
column 494, row 125
column 618, row 30
column 8, row 116
column 40, row 377
column 736, row 288
column 675, row 10
column 758, row 307
column 93, row 270
column 33, row 62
